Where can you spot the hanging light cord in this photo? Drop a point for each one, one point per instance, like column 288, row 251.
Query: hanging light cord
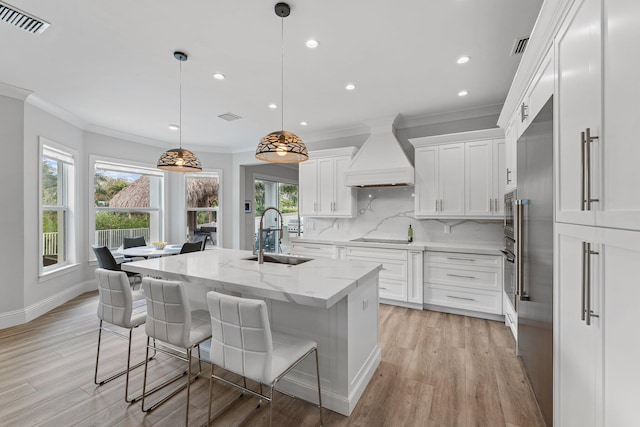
column 180, row 61
column 282, row 72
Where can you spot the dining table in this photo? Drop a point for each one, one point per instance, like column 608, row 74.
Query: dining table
column 150, row 251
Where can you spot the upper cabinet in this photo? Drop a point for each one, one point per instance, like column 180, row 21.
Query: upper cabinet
column 596, row 89
column 322, row 189
column 460, row 175
column 579, row 111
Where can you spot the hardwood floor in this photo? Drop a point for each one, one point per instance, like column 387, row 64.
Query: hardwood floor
column 437, row 370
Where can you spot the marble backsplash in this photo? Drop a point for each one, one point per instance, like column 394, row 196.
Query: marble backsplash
column 385, row 213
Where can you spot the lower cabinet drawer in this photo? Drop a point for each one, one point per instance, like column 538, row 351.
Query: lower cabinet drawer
column 476, row 300
column 478, row 278
column 312, row 250
column 393, row 290
column 391, row 269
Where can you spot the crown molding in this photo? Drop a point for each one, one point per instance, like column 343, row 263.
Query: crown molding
column 14, row 92
column 450, row 116
column 57, row 111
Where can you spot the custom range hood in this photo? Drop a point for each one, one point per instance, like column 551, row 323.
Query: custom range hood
column 381, row 162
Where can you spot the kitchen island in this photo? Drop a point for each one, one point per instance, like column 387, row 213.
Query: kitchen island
column 333, row 302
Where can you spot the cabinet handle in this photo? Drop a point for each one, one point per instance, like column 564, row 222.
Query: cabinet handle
column 459, row 275
column 466, row 299
column 524, row 112
column 583, row 149
column 382, row 287
column 588, row 140
column 585, row 273
column 508, row 176
column 441, row 205
column 490, row 205
column 315, row 206
column 589, row 313
column 496, row 205
column 461, row 259
column 510, row 319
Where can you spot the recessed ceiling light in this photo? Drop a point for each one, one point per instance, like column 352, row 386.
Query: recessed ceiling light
column 312, row 44
column 174, row 127
column 218, row 76
column 303, row 123
column 273, row 106
column 350, row 86
column 463, row 60
column 463, row 93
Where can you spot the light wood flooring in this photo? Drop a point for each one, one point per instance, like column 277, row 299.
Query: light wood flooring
column 437, row 370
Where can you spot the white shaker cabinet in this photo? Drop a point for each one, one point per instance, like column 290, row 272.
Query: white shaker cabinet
column 578, row 104
column 597, row 350
column 322, row 189
column 620, row 197
column 511, row 155
column 578, row 345
column 440, row 180
column 484, row 172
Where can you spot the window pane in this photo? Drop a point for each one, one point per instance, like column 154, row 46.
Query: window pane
column 53, row 247
column 202, row 192
column 51, row 193
column 288, row 198
column 112, row 227
column 118, row 189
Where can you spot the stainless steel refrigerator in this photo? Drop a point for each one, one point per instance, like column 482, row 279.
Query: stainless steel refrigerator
column 535, row 256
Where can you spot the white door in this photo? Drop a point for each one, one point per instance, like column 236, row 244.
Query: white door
column 577, row 359
column 499, row 176
column 326, row 185
column 620, row 150
column 426, row 176
column 451, row 178
column 308, row 190
column 344, row 203
column 619, row 253
column 478, row 167
column 577, row 111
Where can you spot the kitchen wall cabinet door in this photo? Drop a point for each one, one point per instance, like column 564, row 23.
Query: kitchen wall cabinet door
column 484, row 189
column 308, row 187
column 619, row 205
column 578, row 365
column 451, row 179
column 322, row 189
column 578, row 109
column 427, row 194
column 511, row 156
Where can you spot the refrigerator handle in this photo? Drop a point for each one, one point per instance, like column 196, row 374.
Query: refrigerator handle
column 524, row 296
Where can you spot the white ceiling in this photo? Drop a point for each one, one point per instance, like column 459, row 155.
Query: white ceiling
column 110, row 63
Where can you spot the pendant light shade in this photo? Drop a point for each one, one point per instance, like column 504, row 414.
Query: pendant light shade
column 282, row 146
column 179, row 159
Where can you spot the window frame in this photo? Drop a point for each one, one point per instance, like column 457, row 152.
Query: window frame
column 209, row 173
column 67, row 157
column 126, row 166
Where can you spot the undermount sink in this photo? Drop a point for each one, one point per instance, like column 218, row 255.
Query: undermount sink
column 370, row 240
column 281, row 259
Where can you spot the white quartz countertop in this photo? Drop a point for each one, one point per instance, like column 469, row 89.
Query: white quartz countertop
column 484, row 248
column 318, row 283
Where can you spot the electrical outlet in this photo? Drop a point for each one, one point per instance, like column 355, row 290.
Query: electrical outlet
column 447, row 229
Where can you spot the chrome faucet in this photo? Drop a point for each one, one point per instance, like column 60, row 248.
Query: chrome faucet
column 261, row 236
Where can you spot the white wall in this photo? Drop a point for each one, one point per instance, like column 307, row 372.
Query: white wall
column 12, row 206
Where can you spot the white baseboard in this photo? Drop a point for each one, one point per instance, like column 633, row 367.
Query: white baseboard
column 37, row 309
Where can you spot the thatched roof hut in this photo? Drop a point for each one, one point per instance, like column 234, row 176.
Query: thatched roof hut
column 201, row 192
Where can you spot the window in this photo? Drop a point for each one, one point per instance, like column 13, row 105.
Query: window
column 56, row 202
column 281, row 195
column 203, row 198
column 127, row 203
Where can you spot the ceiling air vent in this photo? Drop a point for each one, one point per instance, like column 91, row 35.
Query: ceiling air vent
column 519, row 46
column 21, row 19
column 229, row 117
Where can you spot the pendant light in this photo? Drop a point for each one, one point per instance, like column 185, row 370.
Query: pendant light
column 179, row 159
column 282, row 146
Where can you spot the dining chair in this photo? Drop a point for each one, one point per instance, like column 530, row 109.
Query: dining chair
column 171, row 322
column 192, row 247
column 242, row 342
column 118, row 306
column 133, row 242
column 107, row 261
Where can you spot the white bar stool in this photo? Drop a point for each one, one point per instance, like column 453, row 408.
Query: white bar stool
column 243, row 343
